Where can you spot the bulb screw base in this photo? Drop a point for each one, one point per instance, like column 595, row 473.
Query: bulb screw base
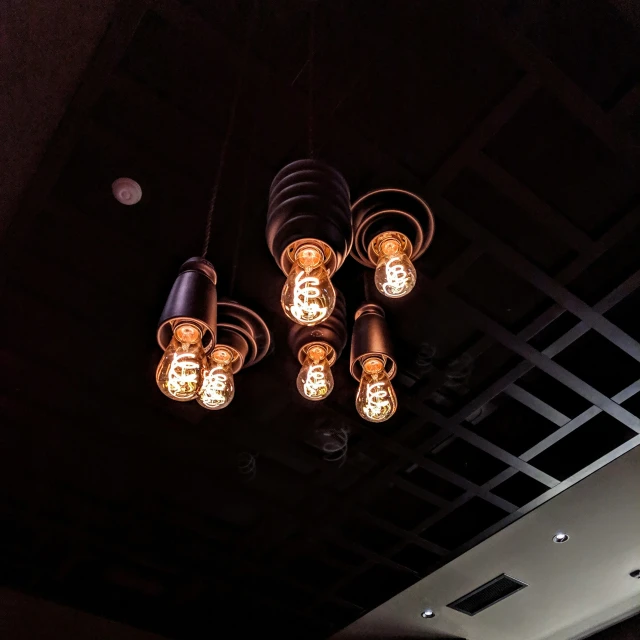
column 371, row 338
column 309, row 201
column 192, row 299
column 391, row 210
column 331, row 332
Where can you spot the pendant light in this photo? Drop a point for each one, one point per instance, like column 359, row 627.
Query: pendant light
column 393, row 228
column 309, row 234
column 194, row 365
column 187, row 330
column 317, row 349
column 309, row 230
column 372, row 364
column 243, row 340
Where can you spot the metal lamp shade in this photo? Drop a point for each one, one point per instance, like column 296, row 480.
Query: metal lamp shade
column 371, row 337
column 309, row 200
column 193, row 298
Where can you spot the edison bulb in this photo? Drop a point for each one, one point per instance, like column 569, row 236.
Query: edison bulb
column 395, row 274
column 218, row 387
column 308, row 297
column 376, row 400
column 315, row 380
column 179, row 374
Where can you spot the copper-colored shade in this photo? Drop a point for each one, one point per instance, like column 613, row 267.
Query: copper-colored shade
column 391, row 210
column 309, row 200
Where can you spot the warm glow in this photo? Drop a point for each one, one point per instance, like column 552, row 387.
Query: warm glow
column 376, row 400
column 218, row 387
column 395, row 274
column 315, row 380
column 308, row 296
column 179, row 374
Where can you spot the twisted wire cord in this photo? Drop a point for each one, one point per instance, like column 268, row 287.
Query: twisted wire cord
column 230, row 126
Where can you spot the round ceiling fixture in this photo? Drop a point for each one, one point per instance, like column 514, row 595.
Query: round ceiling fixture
column 126, row 191
column 428, row 613
column 560, row 537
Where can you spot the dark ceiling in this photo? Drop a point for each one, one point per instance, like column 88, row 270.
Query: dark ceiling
column 519, row 350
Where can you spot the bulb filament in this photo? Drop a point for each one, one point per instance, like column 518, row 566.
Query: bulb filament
column 213, row 388
column 396, row 277
column 378, row 402
column 182, row 378
column 316, row 383
column 305, row 294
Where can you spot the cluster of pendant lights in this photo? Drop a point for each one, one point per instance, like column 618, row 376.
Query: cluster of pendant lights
column 311, row 229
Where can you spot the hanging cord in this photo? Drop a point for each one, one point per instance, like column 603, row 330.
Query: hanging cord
column 244, row 201
column 312, row 53
column 230, row 124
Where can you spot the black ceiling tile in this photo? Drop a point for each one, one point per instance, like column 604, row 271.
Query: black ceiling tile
column 469, row 520
column 615, row 369
column 467, row 461
column 431, row 482
column 494, row 211
column 626, row 313
column 609, row 270
column 566, row 164
column 417, row 558
column 632, row 404
column 446, row 247
column 415, row 437
column 520, row 489
column 585, row 445
column 589, row 41
column 553, row 331
column 312, row 571
column 513, row 426
column 509, row 302
column 554, row 393
column 343, row 555
column 401, row 508
column 369, row 536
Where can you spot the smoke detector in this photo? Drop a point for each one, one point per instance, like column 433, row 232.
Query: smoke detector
column 126, row 191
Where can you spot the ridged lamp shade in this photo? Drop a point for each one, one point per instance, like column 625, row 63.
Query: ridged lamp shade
column 391, row 210
column 244, row 331
column 309, row 200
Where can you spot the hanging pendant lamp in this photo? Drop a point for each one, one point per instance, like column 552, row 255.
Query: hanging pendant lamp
column 243, row 340
column 393, row 228
column 317, row 349
column 372, row 364
column 187, row 330
column 309, row 234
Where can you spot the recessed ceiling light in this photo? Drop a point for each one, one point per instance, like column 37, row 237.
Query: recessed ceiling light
column 428, row 613
column 560, row 537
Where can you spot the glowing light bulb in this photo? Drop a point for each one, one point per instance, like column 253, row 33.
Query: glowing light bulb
column 395, row 274
column 218, row 387
column 315, row 380
column 376, row 400
column 308, row 297
column 179, row 374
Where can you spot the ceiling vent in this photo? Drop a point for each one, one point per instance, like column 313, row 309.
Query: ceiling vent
column 487, row 595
